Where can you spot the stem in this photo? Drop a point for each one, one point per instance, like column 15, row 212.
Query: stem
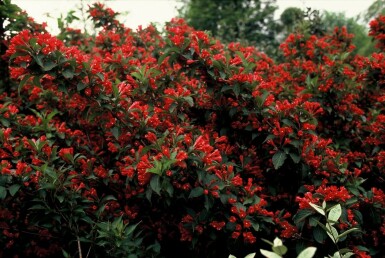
column 79, row 248
column 335, row 240
column 89, row 251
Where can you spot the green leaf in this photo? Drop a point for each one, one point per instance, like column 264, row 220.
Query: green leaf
column 278, row 247
column 23, row 81
column 115, row 91
column 60, row 198
column 13, row 189
column 261, row 99
column 18, row 53
column 189, row 100
column 81, row 86
column 169, row 188
column 226, row 88
column 3, row 192
column 157, row 169
column 108, row 198
column 281, row 249
column 332, row 233
column 130, row 229
column 48, row 66
column 37, row 207
column 295, row 157
column 277, row 242
column 236, row 90
column 269, row 254
column 301, row 215
column 167, row 53
column 347, row 255
column 65, row 254
column 336, row 255
column 278, row 159
column 345, row 233
column 39, row 60
column 255, row 225
column 68, row 74
column 335, row 213
column 196, row 192
column 209, row 202
column 36, row 81
column 307, row 253
column 4, row 122
column 100, row 76
column 137, row 75
column 268, row 242
column 155, row 184
column 252, row 255
column 317, row 208
column 115, row 132
column 319, row 234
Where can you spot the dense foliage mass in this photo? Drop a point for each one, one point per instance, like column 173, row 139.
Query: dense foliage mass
column 166, row 144
column 251, row 22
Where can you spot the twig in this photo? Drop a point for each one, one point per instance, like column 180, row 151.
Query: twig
column 79, row 248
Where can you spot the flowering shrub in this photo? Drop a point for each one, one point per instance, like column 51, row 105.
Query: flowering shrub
column 157, row 144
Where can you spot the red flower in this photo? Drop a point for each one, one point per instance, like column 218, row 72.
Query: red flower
column 66, row 153
column 143, row 176
column 334, row 193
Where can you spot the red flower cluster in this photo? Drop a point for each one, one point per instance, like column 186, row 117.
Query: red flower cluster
column 198, row 141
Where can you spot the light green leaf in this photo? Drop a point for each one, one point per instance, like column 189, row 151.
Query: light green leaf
column 281, row 249
column 336, row 255
column 335, row 213
column 252, row 255
column 267, row 241
column 307, row 253
column 277, row 242
column 332, row 233
column 347, row 255
column 317, row 208
column 269, row 254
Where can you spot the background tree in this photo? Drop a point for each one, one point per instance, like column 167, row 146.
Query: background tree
column 377, row 8
column 312, row 22
column 247, row 21
column 12, row 21
column 290, row 17
column 364, row 44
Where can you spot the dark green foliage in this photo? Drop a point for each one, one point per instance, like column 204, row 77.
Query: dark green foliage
column 247, row 21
